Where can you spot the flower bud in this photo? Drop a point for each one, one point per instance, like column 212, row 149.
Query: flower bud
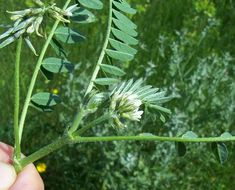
column 19, row 14
column 30, row 29
column 37, row 11
column 37, row 24
column 24, row 24
column 118, row 123
column 7, row 33
column 22, row 12
column 15, row 17
column 19, row 33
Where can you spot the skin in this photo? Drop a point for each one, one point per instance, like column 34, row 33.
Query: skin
column 28, row 179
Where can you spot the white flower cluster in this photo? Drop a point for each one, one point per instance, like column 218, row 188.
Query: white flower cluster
column 29, row 21
column 126, row 106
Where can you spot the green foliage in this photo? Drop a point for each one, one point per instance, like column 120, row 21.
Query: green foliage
column 221, row 152
column 83, row 16
column 181, row 148
column 45, row 99
column 56, row 65
column 112, row 70
column 121, row 47
column 124, row 7
column 119, row 55
column 187, row 49
column 67, row 35
column 106, row 81
column 92, row 4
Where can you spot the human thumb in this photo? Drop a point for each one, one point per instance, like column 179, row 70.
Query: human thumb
column 7, row 176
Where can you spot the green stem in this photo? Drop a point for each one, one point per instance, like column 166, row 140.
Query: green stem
column 59, row 143
column 17, row 153
column 80, row 115
column 102, row 54
column 153, row 138
column 77, row 121
column 66, row 140
column 35, row 74
column 91, row 124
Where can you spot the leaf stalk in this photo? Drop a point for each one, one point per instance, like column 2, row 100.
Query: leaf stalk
column 102, row 54
column 35, row 74
column 17, row 152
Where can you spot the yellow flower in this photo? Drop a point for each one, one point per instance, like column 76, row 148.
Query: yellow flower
column 55, row 91
column 41, row 167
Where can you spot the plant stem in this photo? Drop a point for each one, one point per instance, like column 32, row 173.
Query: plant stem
column 77, row 121
column 153, row 138
column 102, row 54
column 66, row 140
column 45, row 151
column 35, row 74
column 91, row 124
column 80, row 115
column 17, row 152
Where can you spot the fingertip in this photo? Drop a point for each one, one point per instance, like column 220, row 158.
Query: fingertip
column 7, row 176
column 28, row 179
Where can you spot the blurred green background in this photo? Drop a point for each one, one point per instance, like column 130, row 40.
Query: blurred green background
column 187, row 48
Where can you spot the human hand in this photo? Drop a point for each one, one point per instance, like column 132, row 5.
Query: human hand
column 28, row 179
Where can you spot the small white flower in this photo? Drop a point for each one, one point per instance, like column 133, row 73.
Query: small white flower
column 135, row 115
column 126, row 106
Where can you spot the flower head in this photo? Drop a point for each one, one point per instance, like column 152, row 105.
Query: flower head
column 125, row 106
column 128, row 96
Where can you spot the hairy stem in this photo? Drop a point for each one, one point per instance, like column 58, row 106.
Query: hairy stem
column 17, row 152
column 35, row 74
column 77, row 121
column 66, row 140
column 80, row 115
column 153, row 138
column 59, row 143
column 91, row 124
column 102, row 54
